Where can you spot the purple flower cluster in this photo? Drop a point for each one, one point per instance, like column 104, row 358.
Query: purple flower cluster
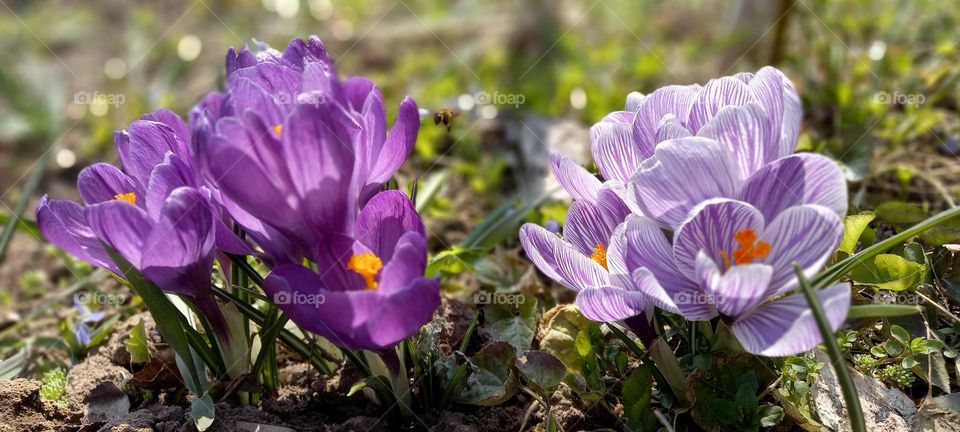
column 296, row 159
column 714, row 166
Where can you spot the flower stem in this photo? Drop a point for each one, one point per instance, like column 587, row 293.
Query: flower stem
column 839, row 365
column 663, row 357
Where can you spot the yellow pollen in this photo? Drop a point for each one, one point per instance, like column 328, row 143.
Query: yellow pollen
column 368, row 266
column 129, row 197
column 278, row 129
column 748, row 248
column 599, row 255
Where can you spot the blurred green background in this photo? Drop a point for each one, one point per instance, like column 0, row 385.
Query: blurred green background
column 878, row 82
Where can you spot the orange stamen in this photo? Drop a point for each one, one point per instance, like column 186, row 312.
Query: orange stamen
column 278, row 129
column 368, row 266
column 748, row 248
column 129, row 197
column 599, row 255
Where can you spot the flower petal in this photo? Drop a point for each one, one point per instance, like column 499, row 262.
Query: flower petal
column 143, row 147
column 319, row 156
column 588, row 225
column 387, row 217
column 608, row 304
column 717, row 94
column 578, row 270
column 738, row 289
column 539, row 245
column 103, row 182
column 803, row 235
column 683, row 173
column 804, row 178
column 711, row 229
column 614, row 150
column 400, row 142
column 178, row 251
column 121, row 225
column 674, row 100
column 408, row 262
column 578, row 182
column 63, row 224
column 403, row 313
column 774, row 91
column 746, row 131
column 171, row 174
column 787, row 327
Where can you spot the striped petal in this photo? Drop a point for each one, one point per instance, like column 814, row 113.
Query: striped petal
column 578, row 269
column 640, row 258
column 674, row 100
column 717, row 94
column 805, row 236
column 804, row 178
column 786, row 326
column 738, row 289
column 578, row 182
column 607, row 304
column 779, row 99
column 682, row 174
column 711, row 229
column 539, row 245
column 746, row 131
column 614, row 150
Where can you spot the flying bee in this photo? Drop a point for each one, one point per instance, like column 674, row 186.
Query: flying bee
column 445, row 116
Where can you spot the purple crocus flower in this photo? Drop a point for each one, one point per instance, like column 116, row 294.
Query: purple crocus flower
column 294, row 148
column 153, row 213
column 368, row 291
column 729, row 260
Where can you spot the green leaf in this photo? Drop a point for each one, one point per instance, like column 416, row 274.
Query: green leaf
column 889, row 272
column 11, row 367
column 637, row 392
column 853, row 227
column 878, row 351
column 561, row 325
column 900, row 213
column 900, row 334
column 202, row 410
column 909, row 362
column 542, row 369
column 430, row 187
column 493, row 380
column 137, row 344
column 511, row 318
column 893, row 348
column 770, row 415
column 836, row 271
column 882, row 310
column 170, row 322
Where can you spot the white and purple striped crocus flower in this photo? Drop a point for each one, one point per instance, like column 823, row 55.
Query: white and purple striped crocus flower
column 670, row 156
column 154, row 213
column 305, row 155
